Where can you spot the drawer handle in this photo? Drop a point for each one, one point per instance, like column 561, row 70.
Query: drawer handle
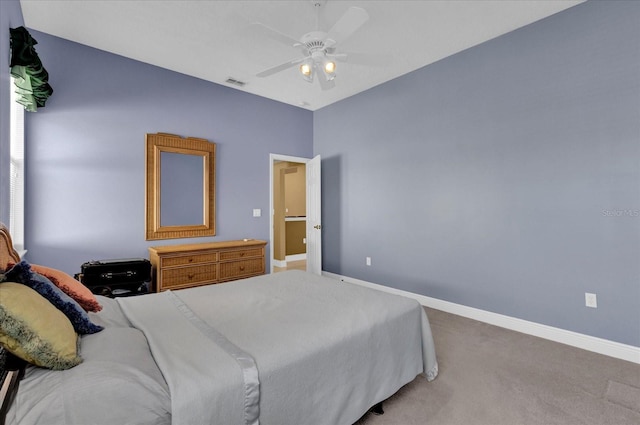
column 242, row 254
column 190, row 276
column 191, row 260
column 241, row 268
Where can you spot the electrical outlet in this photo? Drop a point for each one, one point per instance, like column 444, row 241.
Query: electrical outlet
column 590, row 300
column 257, row 212
column 368, row 261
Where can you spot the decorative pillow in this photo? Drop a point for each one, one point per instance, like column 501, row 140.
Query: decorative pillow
column 79, row 318
column 70, row 286
column 34, row 330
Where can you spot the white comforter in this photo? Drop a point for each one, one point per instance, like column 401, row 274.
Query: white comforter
column 324, row 351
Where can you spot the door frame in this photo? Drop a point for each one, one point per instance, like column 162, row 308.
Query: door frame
column 273, row 157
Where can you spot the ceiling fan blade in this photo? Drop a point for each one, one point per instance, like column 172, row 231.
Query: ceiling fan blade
column 370, row 59
column 281, row 67
column 341, row 57
column 274, row 34
column 349, row 23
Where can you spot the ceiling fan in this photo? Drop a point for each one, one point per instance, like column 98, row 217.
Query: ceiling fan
column 318, row 47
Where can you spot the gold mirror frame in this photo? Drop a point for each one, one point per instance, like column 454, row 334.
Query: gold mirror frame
column 162, row 142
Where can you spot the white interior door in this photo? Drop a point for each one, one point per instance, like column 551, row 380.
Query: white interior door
column 314, row 226
column 314, row 220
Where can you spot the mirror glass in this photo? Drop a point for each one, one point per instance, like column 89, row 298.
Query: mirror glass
column 180, row 187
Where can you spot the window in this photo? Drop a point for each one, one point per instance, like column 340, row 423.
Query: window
column 16, row 152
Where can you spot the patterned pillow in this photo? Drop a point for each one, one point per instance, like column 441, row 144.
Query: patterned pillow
column 34, row 330
column 22, row 273
column 70, row 286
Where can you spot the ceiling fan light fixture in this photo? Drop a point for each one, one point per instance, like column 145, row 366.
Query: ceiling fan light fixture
column 306, row 69
column 330, row 69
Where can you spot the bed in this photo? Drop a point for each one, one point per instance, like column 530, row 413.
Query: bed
column 284, row 348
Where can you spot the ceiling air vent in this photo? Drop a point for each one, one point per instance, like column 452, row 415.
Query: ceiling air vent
column 235, row 82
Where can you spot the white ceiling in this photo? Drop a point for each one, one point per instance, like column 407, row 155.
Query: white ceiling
column 214, row 40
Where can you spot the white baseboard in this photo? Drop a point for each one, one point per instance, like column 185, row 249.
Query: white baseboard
column 597, row 345
column 296, row 257
column 283, row 263
column 279, row 263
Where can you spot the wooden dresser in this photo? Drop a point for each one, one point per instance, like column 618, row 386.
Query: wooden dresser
column 185, row 266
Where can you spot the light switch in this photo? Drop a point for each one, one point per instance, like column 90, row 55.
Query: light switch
column 257, row 212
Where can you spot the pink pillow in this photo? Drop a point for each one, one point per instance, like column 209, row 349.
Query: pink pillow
column 76, row 290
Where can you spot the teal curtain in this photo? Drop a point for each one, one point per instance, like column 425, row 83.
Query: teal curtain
column 31, row 79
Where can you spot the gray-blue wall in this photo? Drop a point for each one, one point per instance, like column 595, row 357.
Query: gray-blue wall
column 506, row 177
column 85, row 152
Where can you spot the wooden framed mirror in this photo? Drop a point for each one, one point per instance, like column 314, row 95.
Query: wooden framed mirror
column 180, row 187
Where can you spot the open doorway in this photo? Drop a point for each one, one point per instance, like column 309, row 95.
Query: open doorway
column 295, row 213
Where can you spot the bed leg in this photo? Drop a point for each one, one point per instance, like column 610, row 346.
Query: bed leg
column 377, row 409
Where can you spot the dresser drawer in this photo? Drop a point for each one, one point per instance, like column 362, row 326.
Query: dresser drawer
column 237, row 269
column 188, row 276
column 239, row 254
column 183, row 260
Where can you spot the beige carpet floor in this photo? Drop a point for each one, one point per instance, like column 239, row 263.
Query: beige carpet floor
column 493, row 376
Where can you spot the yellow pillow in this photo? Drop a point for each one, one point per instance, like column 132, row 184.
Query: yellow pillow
column 34, row 330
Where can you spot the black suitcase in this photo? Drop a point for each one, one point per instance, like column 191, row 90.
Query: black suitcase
column 121, row 277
